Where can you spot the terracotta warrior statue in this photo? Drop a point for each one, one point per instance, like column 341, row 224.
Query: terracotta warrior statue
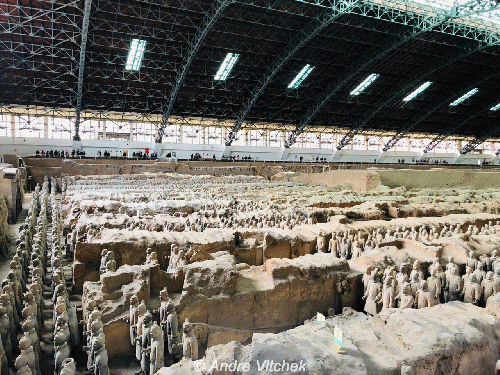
column 171, row 331
column 61, row 351
column 68, row 367
column 454, row 285
column 27, row 355
column 100, row 354
column 146, row 343
column 472, row 291
column 416, row 271
column 190, row 343
column 321, row 242
column 157, row 349
column 134, row 304
column 407, row 300
column 424, row 298
column 434, row 285
column 373, row 294
column 488, row 286
column 164, row 299
column 141, row 311
column 388, row 294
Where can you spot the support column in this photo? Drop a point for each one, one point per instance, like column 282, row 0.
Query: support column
column 104, row 134
column 284, row 155
column 381, row 156
column 132, row 131
column 181, row 134
column 45, row 126
column 13, row 125
column 81, row 67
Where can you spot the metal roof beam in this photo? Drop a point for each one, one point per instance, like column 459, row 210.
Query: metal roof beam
column 429, row 24
column 379, row 106
column 472, row 145
column 40, row 13
column 81, row 66
column 309, row 32
column 441, row 137
column 474, row 7
column 411, row 13
column 208, row 22
column 408, row 127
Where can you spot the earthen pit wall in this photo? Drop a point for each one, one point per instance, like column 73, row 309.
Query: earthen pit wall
column 118, row 345
column 299, row 289
column 12, row 189
column 38, row 167
column 280, row 244
column 291, row 301
column 288, row 304
column 414, row 178
column 131, row 249
column 4, row 216
column 440, row 178
column 355, row 180
column 284, row 243
column 302, row 240
column 393, row 175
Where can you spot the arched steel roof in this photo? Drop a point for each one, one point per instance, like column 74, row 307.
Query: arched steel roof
column 42, row 44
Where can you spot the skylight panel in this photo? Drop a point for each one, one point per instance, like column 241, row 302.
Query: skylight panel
column 365, row 84
column 464, row 97
column 495, row 108
column 135, row 55
column 226, row 66
column 301, row 76
column 418, row 91
column 490, row 16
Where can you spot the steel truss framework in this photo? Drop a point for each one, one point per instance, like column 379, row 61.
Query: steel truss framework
column 478, row 140
column 310, row 31
column 473, row 144
column 207, row 24
column 376, row 55
column 71, row 54
column 379, row 106
column 409, row 127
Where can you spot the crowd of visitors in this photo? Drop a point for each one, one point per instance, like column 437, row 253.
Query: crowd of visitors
column 429, row 161
column 145, row 155
column 52, row 154
column 100, row 154
column 198, row 156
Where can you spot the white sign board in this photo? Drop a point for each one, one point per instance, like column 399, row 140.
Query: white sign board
column 337, row 337
column 320, row 317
